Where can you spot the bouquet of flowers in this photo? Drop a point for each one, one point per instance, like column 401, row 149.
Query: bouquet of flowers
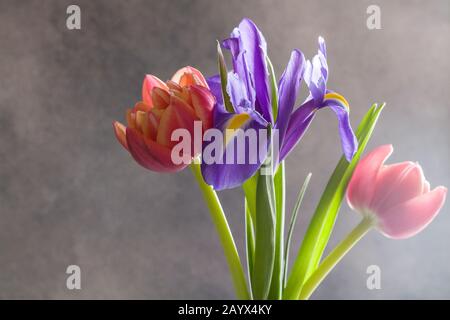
column 236, row 128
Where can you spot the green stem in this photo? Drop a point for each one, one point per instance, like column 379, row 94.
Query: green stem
column 280, row 198
column 334, row 257
column 225, row 236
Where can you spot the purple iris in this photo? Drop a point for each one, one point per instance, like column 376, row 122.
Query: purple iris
column 316, row 76
column 250, row 95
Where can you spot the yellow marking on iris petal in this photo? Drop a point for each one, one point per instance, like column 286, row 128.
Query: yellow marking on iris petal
column 338, row 97
column 236, row 122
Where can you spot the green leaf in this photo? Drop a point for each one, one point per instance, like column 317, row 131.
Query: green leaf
column 321, row 225
column 294, row 215
column 277, row 276
column 250, row 242
column 265, row 236
column 223, row 79
column 274, row 89
column 249, row 187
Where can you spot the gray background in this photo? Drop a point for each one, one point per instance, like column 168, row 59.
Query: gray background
column 69, row 194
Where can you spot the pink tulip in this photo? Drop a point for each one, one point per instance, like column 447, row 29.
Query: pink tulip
column 165, row 107
column 396, row 196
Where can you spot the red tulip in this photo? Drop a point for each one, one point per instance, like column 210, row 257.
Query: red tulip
column 165, row 107
column 396, row 196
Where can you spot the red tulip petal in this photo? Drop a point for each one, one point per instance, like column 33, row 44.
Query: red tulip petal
column 142, row 123
column 141, row 106
column 167, row 124
column 186, row 119
column 150, row 82
column 186, row 115
column 184, row 95
column 153, row 123
column 149, row 154
column 131, row 118
column 120, row 132
column 203, row 102
column 194, row 77
column 160, row 98
column 174, row 86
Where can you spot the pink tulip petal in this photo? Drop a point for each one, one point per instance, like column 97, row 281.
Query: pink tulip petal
column 190, row 70
column 149, row 154
column 186, row 118
column 174, row 86
column 150, row 82
column 160, row 98
column 184, row 113
column 396, row 184
column 167, row 124
column 362, row 184
column 203, row 102
column 165, row 108
column 409, row 218
column 426, row 187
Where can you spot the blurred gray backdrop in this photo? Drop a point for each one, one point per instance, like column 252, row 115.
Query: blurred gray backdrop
column 69, row 193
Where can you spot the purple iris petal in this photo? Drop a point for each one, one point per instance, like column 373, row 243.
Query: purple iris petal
column 322, row 54
column 302, row 117
column 237, row 91
column 316, row 73
column 240, row 66
column 314, row 79
column 244, row 161
column 249, row 51
column 348, row 140
column 239, row 99
column 249, row 93
column 215, row 87
column 316, row 76
column 288, row 89
column 298, row 123
column 322, row 47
